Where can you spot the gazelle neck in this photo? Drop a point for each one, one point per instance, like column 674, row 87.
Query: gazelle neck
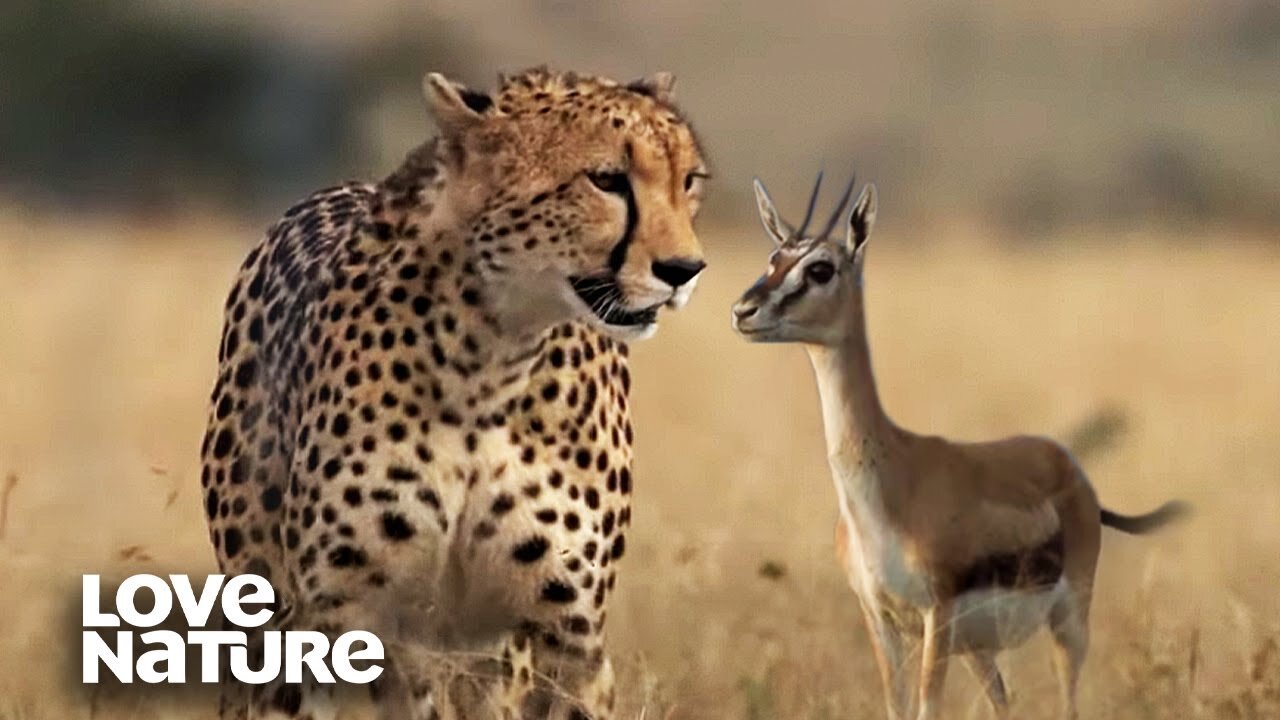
column 855, row 423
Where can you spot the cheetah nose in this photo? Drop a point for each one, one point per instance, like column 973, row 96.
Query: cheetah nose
column 678, row 271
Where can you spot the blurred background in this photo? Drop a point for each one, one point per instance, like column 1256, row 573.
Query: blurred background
column 1031, row 115
column 1079, row 235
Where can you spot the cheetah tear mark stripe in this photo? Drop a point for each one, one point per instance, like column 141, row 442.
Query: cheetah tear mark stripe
column 618, row 255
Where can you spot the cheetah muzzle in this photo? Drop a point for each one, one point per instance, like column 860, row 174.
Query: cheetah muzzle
column 604, row 299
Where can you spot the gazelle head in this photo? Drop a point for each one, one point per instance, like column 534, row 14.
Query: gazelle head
column 812, row 278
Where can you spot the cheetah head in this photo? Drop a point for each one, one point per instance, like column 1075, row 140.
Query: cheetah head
column 583, row 192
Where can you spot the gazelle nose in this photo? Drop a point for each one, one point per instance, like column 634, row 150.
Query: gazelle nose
column 744, row 310
column 678, row 271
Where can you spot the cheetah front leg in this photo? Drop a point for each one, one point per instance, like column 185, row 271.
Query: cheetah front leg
column 426, row 684
column 567, row 685
column 520, row 676
column 307, row 701
column 514, row 684
column 401, row 694
column 276, row 700
column 594, row 695
column 279, row 700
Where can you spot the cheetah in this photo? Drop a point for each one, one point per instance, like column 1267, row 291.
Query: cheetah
column 420, row 425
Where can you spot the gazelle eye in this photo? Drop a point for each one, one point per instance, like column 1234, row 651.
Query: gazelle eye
column 692, row 179
column 820, row 272
column 612, row 182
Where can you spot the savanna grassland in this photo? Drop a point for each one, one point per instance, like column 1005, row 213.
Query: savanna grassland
column 1164, row 349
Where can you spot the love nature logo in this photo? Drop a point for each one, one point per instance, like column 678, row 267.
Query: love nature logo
column 351, row 657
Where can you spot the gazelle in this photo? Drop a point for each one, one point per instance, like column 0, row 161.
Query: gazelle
column 952, row 548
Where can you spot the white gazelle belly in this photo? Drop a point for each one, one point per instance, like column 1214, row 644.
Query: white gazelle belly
column 1001, row 618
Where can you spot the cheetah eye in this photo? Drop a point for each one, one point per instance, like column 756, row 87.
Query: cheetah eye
column 613, row 182
column 692, row 179
column 820, row 272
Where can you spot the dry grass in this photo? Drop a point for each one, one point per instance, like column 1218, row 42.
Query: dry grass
column 731, row 605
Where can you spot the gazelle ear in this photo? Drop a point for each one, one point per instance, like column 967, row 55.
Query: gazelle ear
column 769, row 217
column 862, row 216
column 660, row 86
column 454, row 106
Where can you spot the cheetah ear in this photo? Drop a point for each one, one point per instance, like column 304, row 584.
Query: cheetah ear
column 660, row 86
column 454, row 106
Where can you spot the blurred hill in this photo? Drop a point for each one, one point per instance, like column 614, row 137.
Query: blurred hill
column 1034, row 116
column 119, row 105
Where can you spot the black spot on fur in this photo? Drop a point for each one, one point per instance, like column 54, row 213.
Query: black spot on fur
column 427, row 496
column 577, row 624
column 232, row 541
column 222, row 443
column 383, row 495
column 558, row 592
column 239, row 470
column 530, row 550
column 399, row 473
column 347, row 556
column 395, row 527
column 341, row 423
column 271, row 498
column 503, row 504
column 400, row 371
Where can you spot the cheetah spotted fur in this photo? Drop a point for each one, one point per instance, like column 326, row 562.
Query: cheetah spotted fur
column 420, row 424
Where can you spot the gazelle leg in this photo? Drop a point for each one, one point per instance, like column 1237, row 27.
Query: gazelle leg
column 1069, row 624
column 984, row 668
column 887, row 644
column 933, row 658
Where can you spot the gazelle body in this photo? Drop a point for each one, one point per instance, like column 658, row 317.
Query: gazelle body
column 952, row 548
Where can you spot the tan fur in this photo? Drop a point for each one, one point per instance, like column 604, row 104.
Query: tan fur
column 938, row 538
